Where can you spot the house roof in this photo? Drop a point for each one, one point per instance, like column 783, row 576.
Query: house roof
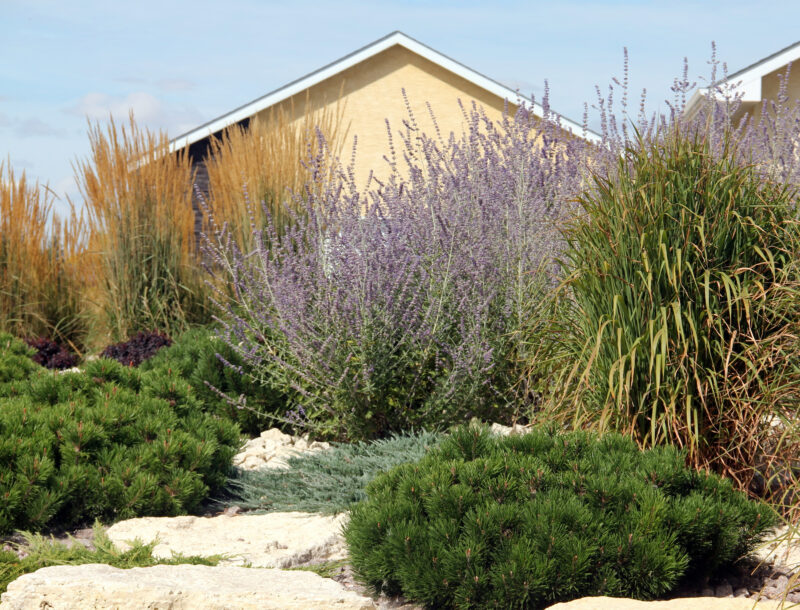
column 747, row 81
column 395, row 38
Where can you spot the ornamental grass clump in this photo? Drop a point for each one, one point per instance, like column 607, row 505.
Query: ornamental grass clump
column 263, row 162
column 528, row 521
column 42, row 271
column 139, row 199
column 395, row 308
column 684, row 291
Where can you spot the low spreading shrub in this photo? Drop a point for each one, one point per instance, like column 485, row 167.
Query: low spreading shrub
column 105, row 443
column 16, row 363
column 51, row 355
column 214, row 371
column 526, row 521
column 328, row 481
column 138, row 348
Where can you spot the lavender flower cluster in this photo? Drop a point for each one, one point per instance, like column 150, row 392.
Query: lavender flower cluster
column 411, row 303
column 398, row 307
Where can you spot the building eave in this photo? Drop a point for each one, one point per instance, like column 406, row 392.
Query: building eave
column 747, row 81
column 395, row 38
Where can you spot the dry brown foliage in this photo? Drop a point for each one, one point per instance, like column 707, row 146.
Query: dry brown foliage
column 42, row 276
column 263, row 162
column 138, row 197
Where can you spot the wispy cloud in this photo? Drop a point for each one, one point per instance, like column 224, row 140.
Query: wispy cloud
column 32, row 127
column 37, row 128
column 163, row 84
column 147, row 109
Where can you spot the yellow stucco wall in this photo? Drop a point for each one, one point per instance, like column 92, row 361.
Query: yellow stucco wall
column 372, row 92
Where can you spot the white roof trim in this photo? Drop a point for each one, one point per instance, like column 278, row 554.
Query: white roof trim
column 396, row 38
column 747, row 81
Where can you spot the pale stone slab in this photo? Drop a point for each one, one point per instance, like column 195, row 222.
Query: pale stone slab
column 683, row 603
column 274, row 540
column 272, row 449
column 181, row 587
column 782, row 549
column 501, row 430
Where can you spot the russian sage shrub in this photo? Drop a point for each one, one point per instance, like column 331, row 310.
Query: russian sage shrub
column 397, row 307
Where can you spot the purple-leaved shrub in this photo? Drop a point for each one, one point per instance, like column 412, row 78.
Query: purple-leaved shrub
column 400, row 307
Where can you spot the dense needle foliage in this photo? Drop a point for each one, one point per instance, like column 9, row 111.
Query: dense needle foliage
column 527, row 521
column 108, row 442
column 213, row 371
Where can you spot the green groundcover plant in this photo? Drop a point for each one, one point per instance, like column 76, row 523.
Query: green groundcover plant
column 527, row 521
column 108, row 442
column 16, row 363
column 41, row 552
column 329, row 481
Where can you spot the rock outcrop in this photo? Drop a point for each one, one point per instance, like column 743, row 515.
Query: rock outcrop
column 784, row 550
column 180, row 587
column 272, row 448
column 275, row 540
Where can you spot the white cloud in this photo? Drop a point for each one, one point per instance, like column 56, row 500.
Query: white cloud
column 148, row 110
column 98, row 106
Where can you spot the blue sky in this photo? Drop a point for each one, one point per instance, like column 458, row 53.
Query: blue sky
column 180, row 63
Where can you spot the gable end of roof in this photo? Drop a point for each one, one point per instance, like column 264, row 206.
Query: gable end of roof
column 395, row 38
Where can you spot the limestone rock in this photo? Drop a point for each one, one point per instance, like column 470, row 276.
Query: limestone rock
column 502, row 430
column 275, row 540
column 180, row 587
column 683, row 603
column 271, row 450
column 783, row 549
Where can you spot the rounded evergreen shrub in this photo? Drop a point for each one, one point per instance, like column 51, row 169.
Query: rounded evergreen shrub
column 219, row 382
column 16, row 362
column 104, row 443
column 527, row 521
